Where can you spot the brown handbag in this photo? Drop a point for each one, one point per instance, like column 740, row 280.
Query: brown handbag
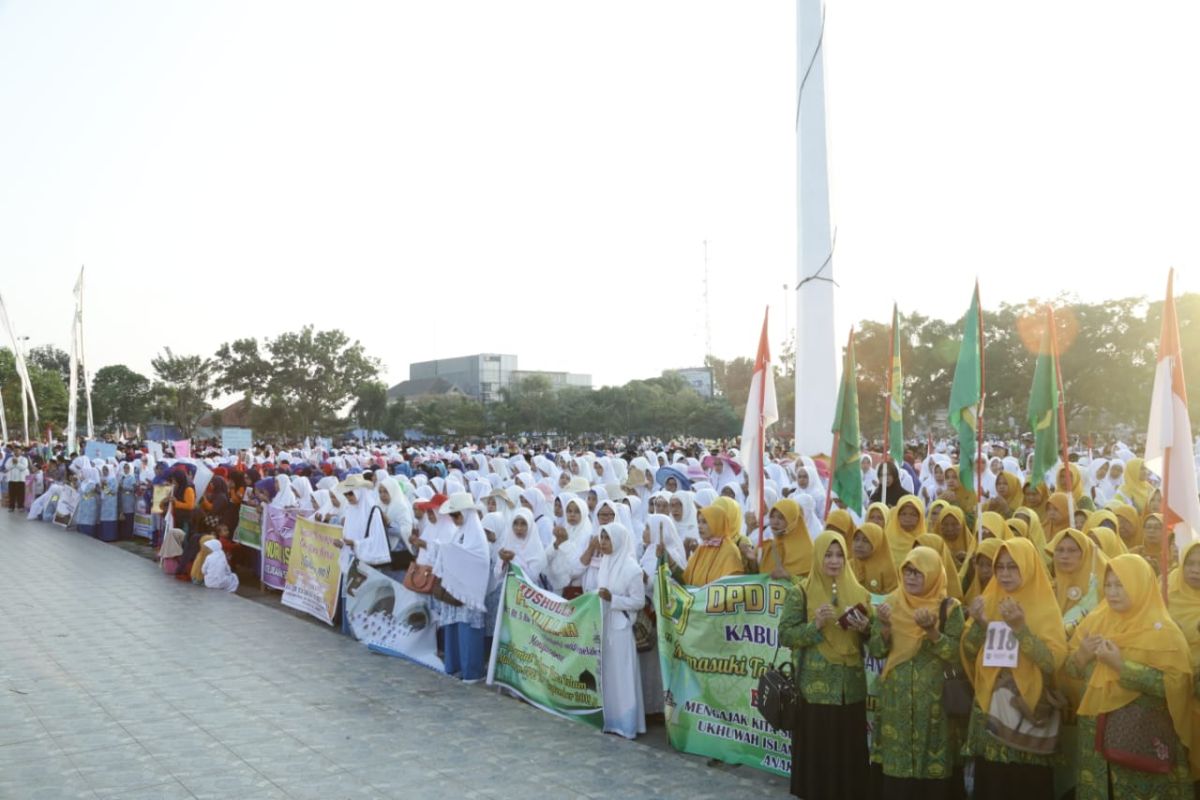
column 419, row 579
column 1137, row 737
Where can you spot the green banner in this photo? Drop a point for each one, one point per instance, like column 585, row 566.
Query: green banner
column 714, row 643
column 249, row 529
column 546, row 650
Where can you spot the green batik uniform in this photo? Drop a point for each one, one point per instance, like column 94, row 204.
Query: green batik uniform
column 1128, row 784
column 821, row 681
column 916, row 739
column 980, row 743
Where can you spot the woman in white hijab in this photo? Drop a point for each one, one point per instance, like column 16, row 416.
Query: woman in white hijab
column 285, row 496
column 522, row 546
column 323, row 509
column 217, row 574
column 683, row 512
column 571, row 541
column 303, row 490
column 534, row 501
column 397, row 515
column 363, row 533
column 618, row 579
column 660, row 529
column 463, row 565
column 808, row 481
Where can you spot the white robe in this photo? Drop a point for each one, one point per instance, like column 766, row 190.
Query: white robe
column 620, row 673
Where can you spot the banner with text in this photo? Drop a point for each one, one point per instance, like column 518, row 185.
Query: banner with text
column 278, row 526
column 714, row 642
column 546, row 650
column 64, row 507
column 143, row 526
column 390, row 619
column 249, row 529
column 313, row 571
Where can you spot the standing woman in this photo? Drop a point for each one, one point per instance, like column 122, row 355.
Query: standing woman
column 916, row 747
column 87, row 513
column 829, row 750
column 183, row 500
column 1136, row 489
column 127, row 500
column 906, row 523
column 618, row 580
column 789, row 552
column 1136, row 665
column 1075, row 586
column 717, row 556
column 1020, row 595
column 871, row 560
column 462, row 566
column 108, row 504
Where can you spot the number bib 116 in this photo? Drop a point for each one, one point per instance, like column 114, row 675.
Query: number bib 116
column 1001, row 648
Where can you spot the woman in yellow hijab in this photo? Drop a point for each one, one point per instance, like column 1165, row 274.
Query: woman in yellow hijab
column 1098, row 518
column 871, row 560
column 1131, row 654
column 1058, row 514
column 934, row 514
column 962, row 496
column 735, row 516
column 1075, row 585
column 1136, row 489
column 1108, row 544
column 953, row 581
column 905, row 524
column 1129, row 526
column 1020, row 595
column 877, row 513
column 993, row 526
column 839, row 520
column 1183, row 599
column 1153, row 530
column 1036, row 499
column 789, row 552
column 1008, row 487
column 981, row 568
column 1060, row 481
column 717, row 556
column 952, row 529
column 916, row 747
column 829, row 749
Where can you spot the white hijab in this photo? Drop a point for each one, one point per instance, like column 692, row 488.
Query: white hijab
column 528, row 553
column 617, row 571
column 464, row 563
column 284, row 496
column 687, row 525
column 662, row 529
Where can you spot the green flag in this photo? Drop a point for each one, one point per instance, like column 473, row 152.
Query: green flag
column 846, row 479
column 965, row 393
column 896, row 391
column 1043, row 409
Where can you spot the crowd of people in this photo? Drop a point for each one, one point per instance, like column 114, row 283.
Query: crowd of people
column 1023, row 641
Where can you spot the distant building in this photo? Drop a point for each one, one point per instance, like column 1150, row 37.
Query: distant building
column 419, row 390
column 482, row 376
column 699, row 378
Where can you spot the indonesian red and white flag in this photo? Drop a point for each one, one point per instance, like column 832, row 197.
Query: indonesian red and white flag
column 1169, row 436
column 761, row 411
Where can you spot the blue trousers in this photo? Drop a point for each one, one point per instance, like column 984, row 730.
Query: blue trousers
column 464, row 651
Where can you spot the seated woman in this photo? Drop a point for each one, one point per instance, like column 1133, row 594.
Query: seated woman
column 717, row 556
column 1021, row 596
column 1136, row 665
column 217, row 574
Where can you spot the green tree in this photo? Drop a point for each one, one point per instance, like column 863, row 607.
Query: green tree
column 120, row 397
column 48, row 389
column 370, row 409
column 183, row 389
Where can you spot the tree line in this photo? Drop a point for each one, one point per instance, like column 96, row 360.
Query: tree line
column 315, row 382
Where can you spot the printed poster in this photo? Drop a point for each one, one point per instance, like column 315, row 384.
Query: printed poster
column 390, row 619
column 714, row 643
column 143, row 526
column 64, row 509
column 546, row 650
column 277, row 529
column 249, row 528
column 313, row 571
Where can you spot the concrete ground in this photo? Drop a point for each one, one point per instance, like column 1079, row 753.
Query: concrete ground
column 117, row 682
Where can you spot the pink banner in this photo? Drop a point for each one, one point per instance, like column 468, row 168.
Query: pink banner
column 277, row 527
column 183, row 449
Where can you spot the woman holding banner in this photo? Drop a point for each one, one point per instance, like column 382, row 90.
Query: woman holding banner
column 462, row 565
column 825, row 623
column 615, row 575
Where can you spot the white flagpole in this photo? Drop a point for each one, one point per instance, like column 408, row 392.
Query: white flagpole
column 73, row 385
column 87, row 383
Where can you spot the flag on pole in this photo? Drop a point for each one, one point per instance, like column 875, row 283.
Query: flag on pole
column 895, row 428
column 1169, row 434
column 966, row 391
column 761, row 412
column 846, row 477
column 1043, row 407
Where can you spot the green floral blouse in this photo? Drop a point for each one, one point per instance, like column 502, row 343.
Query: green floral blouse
column 981, row 744
column 1095, row 773
column 821, row 681
column 917, row 739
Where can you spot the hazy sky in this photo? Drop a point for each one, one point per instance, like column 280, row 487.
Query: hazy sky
column 442, row 178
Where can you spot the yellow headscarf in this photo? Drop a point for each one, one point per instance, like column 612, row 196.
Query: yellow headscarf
column 965, row 543
column 1145, row 634
column 877, row 507
column 935, row 542
column 878, row 573
column 1036, row 532
column 987, row 549
column 1018, row 528
column 1042, row 617
column 839, row 520
column 1076, row 482
column 710, row 562
column 992, row 522
column 1096, row 517
column 1059, row 502
column 964, row 496
column 1153, row 550
column 1008, row 486
column 1108, row 545
column 1134, row 487
column 1038, row 508
column 1184, row 604
column 907, row 635
column 899, row 540
column 837, row 646
column 1129, row 514
column 1069, row 589
column 934, row 515
column 795, row 545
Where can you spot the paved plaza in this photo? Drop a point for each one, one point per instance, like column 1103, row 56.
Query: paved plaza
column 117, row 682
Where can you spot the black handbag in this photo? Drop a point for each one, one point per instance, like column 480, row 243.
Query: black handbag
column 776, row 698
column 957, row 693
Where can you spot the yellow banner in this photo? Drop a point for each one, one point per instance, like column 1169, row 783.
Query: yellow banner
column 313, row 573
